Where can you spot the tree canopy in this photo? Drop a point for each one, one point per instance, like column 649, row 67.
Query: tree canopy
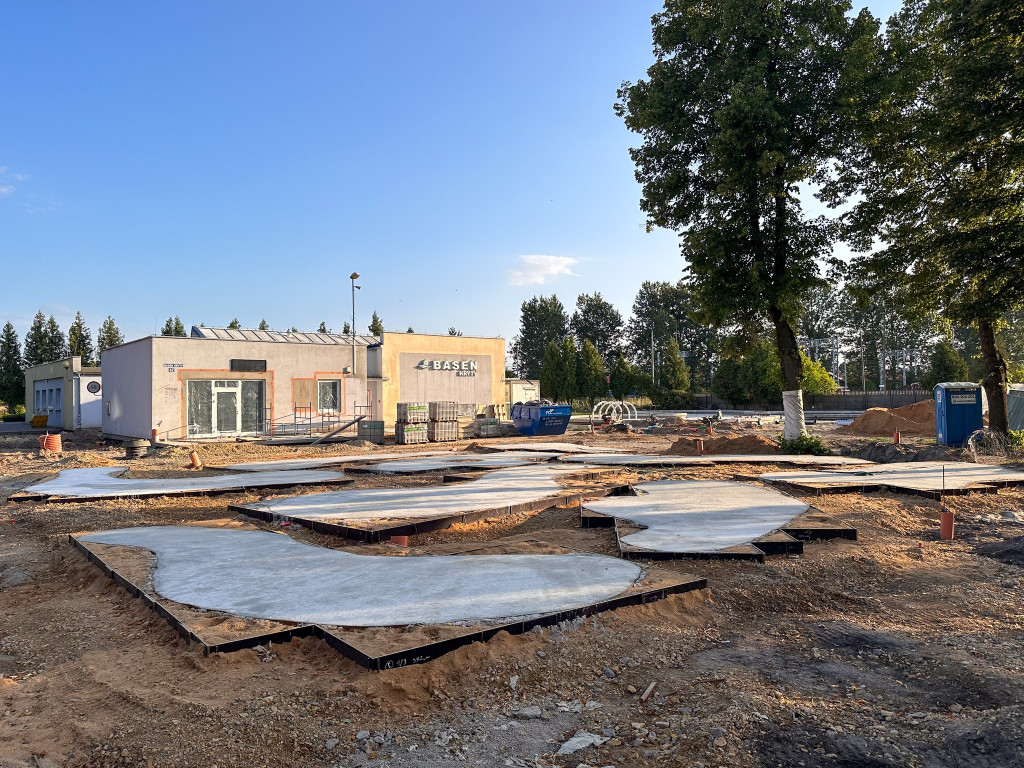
column 543, row 319
column 173, row 327
column 597, row 321
column 109, row 335
column 12, row 368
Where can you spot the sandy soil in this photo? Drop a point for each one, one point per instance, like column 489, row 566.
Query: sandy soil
column 895, row 650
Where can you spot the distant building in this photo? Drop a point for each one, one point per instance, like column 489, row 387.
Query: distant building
column 66, row 392
column 224, row 383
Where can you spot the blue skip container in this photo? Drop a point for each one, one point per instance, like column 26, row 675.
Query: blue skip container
column 957, row 411
column 533, row 419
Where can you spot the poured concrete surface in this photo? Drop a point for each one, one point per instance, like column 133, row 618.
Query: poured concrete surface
column 266, row 575
column 657, row 460
column 468, row 461
column 698, row 516
column 552, row 447
column 324, row 461
column 102, row 481
column 915, row 476
column 500, row 489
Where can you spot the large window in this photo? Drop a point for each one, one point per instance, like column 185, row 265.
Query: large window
column 224, row 407
column 329, row 396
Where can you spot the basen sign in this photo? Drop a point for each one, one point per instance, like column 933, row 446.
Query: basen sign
column 460, row 367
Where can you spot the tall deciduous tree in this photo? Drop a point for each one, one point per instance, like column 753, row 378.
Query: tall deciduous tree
column 597, row 321
column 747, row 101
column 80, row 341
column 543, row 319
column 173, row 327
column 12, row 368
column 109, row 335
column 376, row 326
column 940, row 162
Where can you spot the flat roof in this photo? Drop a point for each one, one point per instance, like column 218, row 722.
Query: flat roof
column 286, row 337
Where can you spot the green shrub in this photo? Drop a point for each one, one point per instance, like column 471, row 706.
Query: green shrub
column 806, row 443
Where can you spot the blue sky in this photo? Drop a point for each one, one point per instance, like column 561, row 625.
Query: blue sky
column 230, row 159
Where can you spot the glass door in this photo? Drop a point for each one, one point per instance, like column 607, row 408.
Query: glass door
column 227, row 406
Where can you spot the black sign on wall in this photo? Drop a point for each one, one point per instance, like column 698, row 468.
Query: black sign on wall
column 249, row 366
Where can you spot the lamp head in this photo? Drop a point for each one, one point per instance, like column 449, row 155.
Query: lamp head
column 354, row 276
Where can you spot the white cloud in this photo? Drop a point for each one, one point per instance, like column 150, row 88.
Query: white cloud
column 6, row 177
column 6, row 189
column 538, row 269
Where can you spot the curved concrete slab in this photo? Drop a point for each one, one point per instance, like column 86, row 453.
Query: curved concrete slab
column 323, row 461
column 467, row 461
column 926, row 476
column 553, row 447
column 696, row 516
column 271, row 576
column 103, row 482
column 659, row 460
column 498, row 489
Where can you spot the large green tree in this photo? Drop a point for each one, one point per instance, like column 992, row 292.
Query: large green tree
column 551, row 372
column 37, row 341
column 109, row 335
column 747, row 101
column 12, row 368
column 173, row 327
column 57, row 343
column 543, row 319
column 590, row 376
column 376, row 326
column 940, row 162
column 80, row 341
column 597, row 321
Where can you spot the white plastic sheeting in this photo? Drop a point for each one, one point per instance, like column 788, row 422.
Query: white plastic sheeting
column 656, row 460
column 699, row 515
column 271, row 576
column 321, row 461
column 470, row 461
column 793, row 407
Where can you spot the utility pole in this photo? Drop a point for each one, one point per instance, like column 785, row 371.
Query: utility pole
column 353, row 277
column 863, row 370
column 652, row 354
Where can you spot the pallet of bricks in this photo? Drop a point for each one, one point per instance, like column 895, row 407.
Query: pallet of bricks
column 411, row 424
column 444, row 422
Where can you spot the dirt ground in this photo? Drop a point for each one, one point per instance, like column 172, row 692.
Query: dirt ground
column 895, row 650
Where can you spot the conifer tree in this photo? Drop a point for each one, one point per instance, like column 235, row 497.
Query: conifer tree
column 263, row 326
column 12, row 368
column 56, row 343
column 173, row 327
column 80, row 341
column 109, row 335
column 234, row 324
column 590, row 376
column 36, row 341
column 322, row 328
column 376, row 326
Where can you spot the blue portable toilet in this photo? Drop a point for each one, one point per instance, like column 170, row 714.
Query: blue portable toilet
column 957, row 411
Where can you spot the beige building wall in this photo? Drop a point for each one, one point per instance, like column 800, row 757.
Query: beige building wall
column 471, row 370
column 66, row 370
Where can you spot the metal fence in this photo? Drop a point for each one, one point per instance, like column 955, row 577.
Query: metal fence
column 841, row 401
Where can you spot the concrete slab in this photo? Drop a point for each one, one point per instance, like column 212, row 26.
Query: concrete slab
column 699, row 516
column 925, row 477
column 103, row 482
column 500, row 489
column 552, row 447
column 657, row 460
column 271, row 576
column 323, row 461
column 461, row 461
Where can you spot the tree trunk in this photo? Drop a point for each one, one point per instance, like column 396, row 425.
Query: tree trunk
column 788, row 349
column 792, row 375
column 995, row 378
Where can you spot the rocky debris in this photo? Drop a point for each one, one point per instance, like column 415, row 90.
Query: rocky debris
column 581, row 740
column 529, row 713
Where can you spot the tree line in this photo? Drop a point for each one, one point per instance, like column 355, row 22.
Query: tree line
column 910, row 133
column 45, row 342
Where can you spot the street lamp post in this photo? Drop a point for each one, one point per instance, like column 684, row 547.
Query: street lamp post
column 353, row 277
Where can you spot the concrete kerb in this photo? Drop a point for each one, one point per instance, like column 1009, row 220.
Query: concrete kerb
column 416, row 655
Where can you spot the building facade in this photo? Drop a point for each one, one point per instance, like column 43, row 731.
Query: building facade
column 66, row 392
column 222, row 383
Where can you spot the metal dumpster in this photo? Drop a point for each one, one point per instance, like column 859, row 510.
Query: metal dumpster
column 539, row 418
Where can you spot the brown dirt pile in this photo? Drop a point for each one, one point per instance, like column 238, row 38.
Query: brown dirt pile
column 729, row 445
column 916, row 419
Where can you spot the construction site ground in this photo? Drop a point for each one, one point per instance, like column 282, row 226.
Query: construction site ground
column 895, row 650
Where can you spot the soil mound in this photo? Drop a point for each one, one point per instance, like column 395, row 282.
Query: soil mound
column 916, row 419
column 726, row 445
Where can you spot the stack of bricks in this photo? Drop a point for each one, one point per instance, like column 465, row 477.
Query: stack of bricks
column 444, row 422
column 411, row 425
